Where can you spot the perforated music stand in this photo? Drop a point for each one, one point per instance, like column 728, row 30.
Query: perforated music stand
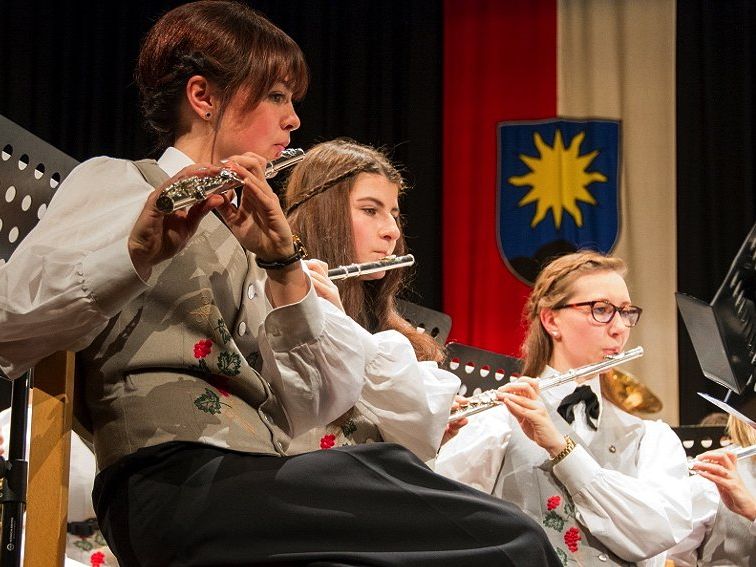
column 697, row 439
column 435, row 323
column 723, row 333
column 30, row 171
column 479, row 369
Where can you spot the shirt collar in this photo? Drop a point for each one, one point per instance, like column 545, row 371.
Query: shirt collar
column 173, row 160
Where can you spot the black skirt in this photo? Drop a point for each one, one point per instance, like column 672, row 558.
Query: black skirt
column 376, row 504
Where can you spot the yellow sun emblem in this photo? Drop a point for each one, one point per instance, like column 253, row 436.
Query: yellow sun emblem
column 558, row 179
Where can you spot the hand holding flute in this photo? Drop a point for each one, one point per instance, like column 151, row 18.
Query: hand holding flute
column 257, row 222
column 720, row 467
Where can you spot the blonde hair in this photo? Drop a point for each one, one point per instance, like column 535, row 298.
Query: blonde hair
column 740, row 432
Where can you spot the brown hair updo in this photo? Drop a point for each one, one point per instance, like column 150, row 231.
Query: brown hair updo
column 226, row 42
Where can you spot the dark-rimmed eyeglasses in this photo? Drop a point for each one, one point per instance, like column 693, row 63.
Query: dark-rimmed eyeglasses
column 603, row 311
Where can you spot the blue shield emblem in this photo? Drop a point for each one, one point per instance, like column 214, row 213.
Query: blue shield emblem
column 558, row 190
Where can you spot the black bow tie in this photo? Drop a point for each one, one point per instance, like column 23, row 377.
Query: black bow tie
column 581, row 394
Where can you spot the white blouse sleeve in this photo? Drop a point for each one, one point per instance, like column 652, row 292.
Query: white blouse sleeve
column 314, row 357
column 637, row 518
column 73, row 272
column 705, row 505
column 475, row 454
column 408, row 400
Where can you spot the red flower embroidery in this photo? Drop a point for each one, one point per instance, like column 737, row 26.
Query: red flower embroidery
column 202, row 348
column 327, row 441
column 97, row 558
column 571, row 538
column 553, row 502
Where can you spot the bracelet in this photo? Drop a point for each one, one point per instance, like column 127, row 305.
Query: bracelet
column 564, row 452
column 299, row 252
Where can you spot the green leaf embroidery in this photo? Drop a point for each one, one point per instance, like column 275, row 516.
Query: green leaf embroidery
column 229, row 363
column 554, row 521
column 209, row 402
column 202, row 365
column 569, row 508
column 84, row 544
column 223, row 331
column 349, row 428
column 562, row 556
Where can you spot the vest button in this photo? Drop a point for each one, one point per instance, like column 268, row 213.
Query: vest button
column 602, row 557
column 242, row 328
column 251, row 292
column 612, row 449
column 279, row 445
column 266, row 417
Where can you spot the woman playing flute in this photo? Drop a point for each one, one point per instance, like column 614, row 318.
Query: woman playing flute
column 603, row 483
column 203, row 346
column 354, row 191
column 724, row 506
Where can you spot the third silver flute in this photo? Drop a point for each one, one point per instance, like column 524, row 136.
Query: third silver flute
column 488, row 399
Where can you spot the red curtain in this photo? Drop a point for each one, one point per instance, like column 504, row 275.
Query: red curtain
column 499, row 65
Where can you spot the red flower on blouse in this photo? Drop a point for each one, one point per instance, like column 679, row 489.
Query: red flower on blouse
column 553, row 502
column 327, row 441
column 571, row 538
column 97, row 558
column 202, row 348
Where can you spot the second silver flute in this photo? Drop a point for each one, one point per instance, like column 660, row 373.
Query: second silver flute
column 354, row 270
column 487, row 400
column 186, row 192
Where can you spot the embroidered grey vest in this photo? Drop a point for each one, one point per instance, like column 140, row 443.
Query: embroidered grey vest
column 526, row 480
column 178, row 363
column 730, row 542
column 353, row 428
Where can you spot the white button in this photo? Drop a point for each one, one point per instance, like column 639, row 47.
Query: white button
column 242, row 328
column 602, row 557
column 265, row 416
column 279, row 445
column 251, row 292
column 612, row 449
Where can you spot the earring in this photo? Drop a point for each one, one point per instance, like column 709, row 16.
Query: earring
column 207, row 115
column 555, row 334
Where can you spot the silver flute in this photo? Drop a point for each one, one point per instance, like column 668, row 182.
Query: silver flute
column 354, row 270
column 740, row 453
column 186, row 192
column 488, row 399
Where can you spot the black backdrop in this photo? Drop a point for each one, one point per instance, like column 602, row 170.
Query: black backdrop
column 65, row 75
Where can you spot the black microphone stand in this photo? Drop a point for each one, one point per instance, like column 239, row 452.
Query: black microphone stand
column 14, row 471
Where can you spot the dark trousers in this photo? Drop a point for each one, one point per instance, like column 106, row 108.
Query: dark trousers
column 376, row 504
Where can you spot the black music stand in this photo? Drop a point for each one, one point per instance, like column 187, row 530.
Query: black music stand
column 479, row 369
column 30, row 171
column 435, row 323
column 723, row 334
column 697, row 439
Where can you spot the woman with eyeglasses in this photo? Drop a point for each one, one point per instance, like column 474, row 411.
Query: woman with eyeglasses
column 604, row 484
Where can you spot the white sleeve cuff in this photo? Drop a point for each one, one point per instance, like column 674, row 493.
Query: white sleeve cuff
column 576, row 470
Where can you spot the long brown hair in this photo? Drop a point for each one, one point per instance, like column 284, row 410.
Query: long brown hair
column 228, row 43
column 553, row 287
column 317, row 198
